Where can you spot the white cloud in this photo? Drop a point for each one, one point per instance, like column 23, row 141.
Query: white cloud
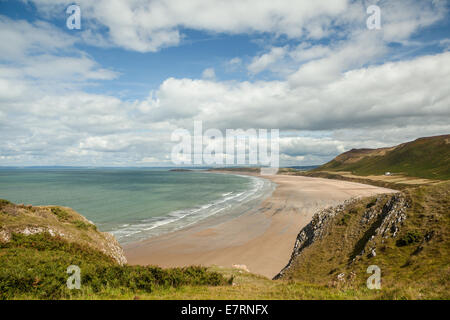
column 344, row 90
column 235, row 61
column 340, row 57
column 261, row 63
column 39, row 51
column 400, row 19
column 445, row 43
column 209, row 73
column 70, row 69
column 396, row 94
column 21, row 38
column 149, row 26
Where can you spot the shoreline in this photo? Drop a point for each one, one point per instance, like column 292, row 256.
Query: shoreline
column 225, row 207
column 261, row 239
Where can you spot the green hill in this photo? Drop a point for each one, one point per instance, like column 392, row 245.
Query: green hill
column 406, row 235
column 423, row 158
column 38, row 244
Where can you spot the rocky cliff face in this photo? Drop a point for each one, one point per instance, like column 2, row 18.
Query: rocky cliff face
column 59, row 222
column 386, row 223
column 377, row 221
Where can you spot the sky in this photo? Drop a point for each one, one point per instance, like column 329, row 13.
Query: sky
column 112, row 92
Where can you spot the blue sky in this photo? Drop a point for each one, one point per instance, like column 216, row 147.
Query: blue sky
column 141, row 72
column 112, row 92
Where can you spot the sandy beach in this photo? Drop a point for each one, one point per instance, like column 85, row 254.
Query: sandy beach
column 261, row 239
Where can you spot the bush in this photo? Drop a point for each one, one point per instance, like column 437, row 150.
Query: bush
column 371, row 203
column 60, row 213
column 409, row 238
column 35, row 266
column 84, row 226
column 4, row 203
column 344, row 220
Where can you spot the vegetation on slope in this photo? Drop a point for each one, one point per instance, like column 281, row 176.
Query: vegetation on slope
column 38, row 244
column 415, row 263
column 424, row 158
column 57, row 221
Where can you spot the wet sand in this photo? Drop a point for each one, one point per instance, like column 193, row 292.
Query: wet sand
column 261, row 239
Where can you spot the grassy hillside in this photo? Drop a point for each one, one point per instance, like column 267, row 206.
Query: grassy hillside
column 414, row 260
column 424, row 158
column 37, row 244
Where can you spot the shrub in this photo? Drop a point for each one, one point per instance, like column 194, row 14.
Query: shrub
column 35, row 266
column 371, row 204
column 409, row 238
column 84, row 226
column 60, row 213
column 4, row 203
column 344, row 220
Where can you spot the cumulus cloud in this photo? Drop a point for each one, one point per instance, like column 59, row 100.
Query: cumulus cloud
column 402, row 18
column 329, row 97
column 377, row 106
column 445, row 43
column 261, row 63
column 21, row 38
column 42, row 52
column 209, row 73
column 395, row 93
column 150, row 25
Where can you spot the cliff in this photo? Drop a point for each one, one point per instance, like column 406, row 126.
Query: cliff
column 406, row 234
column 60, row 222
column 38, row 244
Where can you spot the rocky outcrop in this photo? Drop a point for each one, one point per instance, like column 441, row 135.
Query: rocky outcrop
column 383, row 224
column 59, row 222
column 375, row 223
column 5, row 235
column 113, row 249
column 314, row 230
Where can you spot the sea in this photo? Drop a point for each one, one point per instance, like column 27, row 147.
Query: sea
column 137, row 203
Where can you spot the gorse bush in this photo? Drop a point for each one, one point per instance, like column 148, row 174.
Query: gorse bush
column 371, row 203
column 344, row 220
column 84, row 226
column 60, row 213
column 35, row 266
column 409, row 238
column 4, row 203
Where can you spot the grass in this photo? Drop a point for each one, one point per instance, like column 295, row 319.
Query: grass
column 57, row 220
column 415, row 264
column 427, row 158
column 4, row 203
column 409, row 238
column 365, row 180
column 84, row 226
column 60, row 213
column 35, row 267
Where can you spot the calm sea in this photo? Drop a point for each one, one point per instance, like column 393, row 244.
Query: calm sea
column 135, row 204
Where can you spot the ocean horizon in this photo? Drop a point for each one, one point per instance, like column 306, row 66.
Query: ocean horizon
column 135, row 203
